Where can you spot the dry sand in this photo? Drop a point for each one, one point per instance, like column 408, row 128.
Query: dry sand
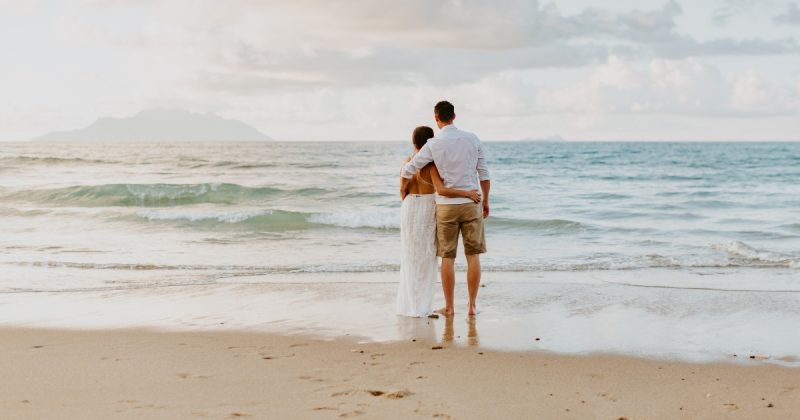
column 145, row 374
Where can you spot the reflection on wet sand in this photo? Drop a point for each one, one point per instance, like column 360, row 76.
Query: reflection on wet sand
column 472, row 332
column 449, row 331
column 447, row 334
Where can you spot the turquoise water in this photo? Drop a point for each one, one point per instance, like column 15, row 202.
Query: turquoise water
column 95, row 216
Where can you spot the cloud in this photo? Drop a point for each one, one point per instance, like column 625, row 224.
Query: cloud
column 686, row 47
column 749, row 92
column 791, row 16
column 245, row 47
column 321, row 69
column 689, row 87
column 663, row 86
column 754, row 95
column 731, row 8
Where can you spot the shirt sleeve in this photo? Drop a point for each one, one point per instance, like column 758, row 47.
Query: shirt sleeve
column 419, row 161
column 483, row 170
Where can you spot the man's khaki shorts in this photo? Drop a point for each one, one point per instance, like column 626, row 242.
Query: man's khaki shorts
column 452, row 218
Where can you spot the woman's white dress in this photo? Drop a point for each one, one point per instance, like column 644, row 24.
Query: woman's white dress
column 418, row 259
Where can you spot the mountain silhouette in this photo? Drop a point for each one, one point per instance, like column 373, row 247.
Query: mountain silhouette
column 161, row 125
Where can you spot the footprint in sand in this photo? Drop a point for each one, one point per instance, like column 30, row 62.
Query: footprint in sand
column 399, row 394
column 272, row 357
column 352, row 414
column 151, row 406
column 731, row 406
column 310, row 378
column 189, row 375
column 375, row 393
column 238, row 415
column 608, row 396
column 344, row 393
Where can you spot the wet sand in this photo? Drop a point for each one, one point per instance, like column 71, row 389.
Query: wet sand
column 704, row 318
column 135, row 373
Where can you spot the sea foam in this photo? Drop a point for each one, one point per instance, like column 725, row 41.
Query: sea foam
column 750, row 256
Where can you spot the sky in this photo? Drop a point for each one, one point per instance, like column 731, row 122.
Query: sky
column 372, row 70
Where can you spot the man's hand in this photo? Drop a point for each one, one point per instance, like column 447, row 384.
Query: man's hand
column 486, row 185
column 405, row 161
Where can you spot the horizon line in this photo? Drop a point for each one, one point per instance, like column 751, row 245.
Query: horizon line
column 405, row 140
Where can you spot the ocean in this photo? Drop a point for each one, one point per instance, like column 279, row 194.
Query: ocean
column 95, row 218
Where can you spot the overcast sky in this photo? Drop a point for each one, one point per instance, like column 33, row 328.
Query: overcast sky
column 372, row 70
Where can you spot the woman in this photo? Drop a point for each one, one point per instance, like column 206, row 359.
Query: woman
column 418, row 233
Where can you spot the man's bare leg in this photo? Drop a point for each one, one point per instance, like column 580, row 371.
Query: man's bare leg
column 448, row 285
column 473, row 279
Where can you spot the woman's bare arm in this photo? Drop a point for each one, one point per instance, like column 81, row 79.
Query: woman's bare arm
column 438, row 185
column 404, row 181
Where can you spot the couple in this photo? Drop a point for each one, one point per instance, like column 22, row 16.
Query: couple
column 445, row 190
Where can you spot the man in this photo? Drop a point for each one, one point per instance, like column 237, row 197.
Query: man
column 459, row 158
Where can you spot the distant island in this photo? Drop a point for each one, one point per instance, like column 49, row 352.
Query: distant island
column 161, row 125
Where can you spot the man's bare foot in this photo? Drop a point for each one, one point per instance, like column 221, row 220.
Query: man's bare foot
column 472, row 311
column 445, row 311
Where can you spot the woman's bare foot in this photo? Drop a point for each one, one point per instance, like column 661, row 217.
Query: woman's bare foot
column 445, row 311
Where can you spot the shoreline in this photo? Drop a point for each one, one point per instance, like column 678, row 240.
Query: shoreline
column 595, row 313
column 135, row 373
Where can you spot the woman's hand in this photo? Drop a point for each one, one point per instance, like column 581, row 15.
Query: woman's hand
column 474, row 195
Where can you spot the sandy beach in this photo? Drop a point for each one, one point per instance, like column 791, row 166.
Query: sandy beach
column 135, row 373
column 216, row 280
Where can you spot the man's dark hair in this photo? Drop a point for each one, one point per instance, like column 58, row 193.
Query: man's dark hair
column 445, row 111
column 421, row 135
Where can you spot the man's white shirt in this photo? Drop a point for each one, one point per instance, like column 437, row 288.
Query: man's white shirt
column 459, row 158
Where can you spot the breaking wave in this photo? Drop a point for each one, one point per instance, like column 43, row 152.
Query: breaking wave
column 155, row 195
column 742, row 254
